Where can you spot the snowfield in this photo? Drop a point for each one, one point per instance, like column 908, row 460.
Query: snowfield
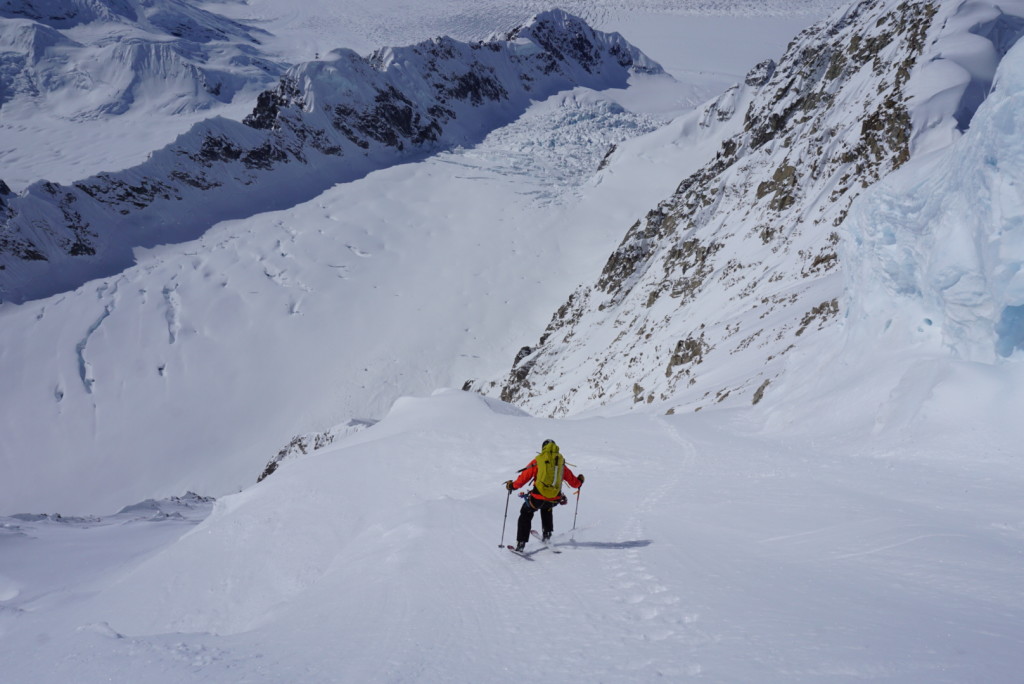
column 706, row 547
column 864, row 522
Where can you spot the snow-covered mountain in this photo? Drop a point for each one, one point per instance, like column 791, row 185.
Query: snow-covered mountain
column 82, row 59
column 326, row 122
column 34, row 130
column 120, row 79
column 708, row 296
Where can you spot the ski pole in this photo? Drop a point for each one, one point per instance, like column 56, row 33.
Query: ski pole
column 505, row 521
column 577, row 509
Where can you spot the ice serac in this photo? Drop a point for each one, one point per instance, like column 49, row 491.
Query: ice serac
column 935, row 260
column 710, row 294
column 325, row 122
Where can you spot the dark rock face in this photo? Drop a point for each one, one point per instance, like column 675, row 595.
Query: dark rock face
column 761, row 74
column 392, row 120
column 269, row 104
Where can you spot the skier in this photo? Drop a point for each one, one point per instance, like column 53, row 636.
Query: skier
column 547, row 471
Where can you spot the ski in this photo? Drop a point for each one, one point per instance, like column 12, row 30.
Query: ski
column 547, row 543
column 518, row 553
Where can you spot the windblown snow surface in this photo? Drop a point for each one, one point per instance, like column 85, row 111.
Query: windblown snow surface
column 863, row 523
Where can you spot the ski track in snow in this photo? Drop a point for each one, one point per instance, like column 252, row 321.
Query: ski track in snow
column 651, row 614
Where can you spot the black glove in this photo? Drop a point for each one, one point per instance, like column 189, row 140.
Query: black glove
column 581, row 478
column 508, row 485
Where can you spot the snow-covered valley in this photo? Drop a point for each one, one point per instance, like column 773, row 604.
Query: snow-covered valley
column 859, row 520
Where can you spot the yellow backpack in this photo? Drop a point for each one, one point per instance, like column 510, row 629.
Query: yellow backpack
column 550, row 465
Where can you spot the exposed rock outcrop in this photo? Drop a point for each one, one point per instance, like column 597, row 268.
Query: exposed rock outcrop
column 732, row 271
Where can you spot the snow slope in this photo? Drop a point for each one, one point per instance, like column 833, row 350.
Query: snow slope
column 705, row 548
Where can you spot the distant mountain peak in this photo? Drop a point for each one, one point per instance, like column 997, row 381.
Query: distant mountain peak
column 163, row 55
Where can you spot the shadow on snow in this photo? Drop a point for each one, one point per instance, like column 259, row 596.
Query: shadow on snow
column 636, row 544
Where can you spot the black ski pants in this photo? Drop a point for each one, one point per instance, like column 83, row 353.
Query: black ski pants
column 531, row 506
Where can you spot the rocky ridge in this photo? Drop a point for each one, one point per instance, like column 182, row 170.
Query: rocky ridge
column 710, row 293
column 325, row 122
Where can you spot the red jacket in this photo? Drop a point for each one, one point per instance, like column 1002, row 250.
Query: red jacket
column 530, row 472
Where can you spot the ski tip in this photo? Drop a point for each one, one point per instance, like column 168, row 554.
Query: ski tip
column 519, row 553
